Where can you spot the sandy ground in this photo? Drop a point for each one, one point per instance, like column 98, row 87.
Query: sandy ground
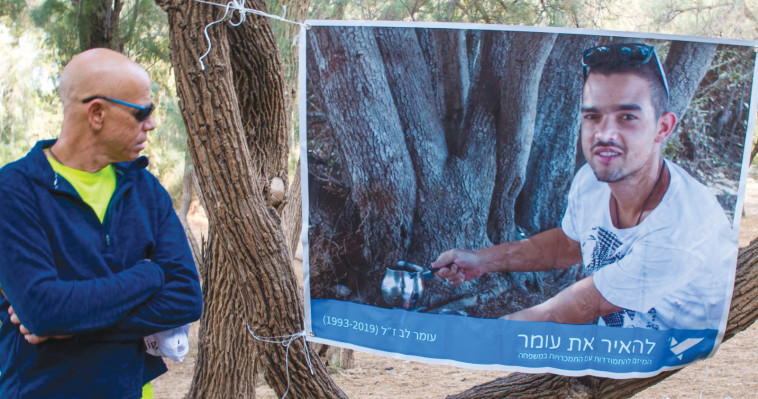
column 731, row 373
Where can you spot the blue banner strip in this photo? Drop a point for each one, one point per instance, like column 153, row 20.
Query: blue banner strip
column 536, row 345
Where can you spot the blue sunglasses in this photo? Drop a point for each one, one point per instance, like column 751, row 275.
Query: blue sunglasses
column 142, row 111
column 622, row 53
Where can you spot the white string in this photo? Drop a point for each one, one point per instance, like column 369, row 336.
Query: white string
column 239, row 6
column 286, row 341
column 207, row 38
column 706, row 379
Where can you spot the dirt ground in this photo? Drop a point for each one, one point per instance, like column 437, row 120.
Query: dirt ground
column 731, row 373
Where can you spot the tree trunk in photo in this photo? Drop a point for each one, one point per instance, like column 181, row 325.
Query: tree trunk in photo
column 524, row 58
column 686, row 64
column 384, row 194
column 542, row 201
column 421, row 159
column 237, row 134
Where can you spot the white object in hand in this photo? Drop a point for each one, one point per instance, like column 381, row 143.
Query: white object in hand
column 173, row 344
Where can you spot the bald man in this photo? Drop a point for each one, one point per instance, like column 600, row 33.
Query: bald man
column 92, row 255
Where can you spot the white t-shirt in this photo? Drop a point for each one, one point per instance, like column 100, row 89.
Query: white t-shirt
column 674, row 270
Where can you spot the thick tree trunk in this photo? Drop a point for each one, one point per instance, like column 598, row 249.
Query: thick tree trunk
column 522, row 65
column 386, row 193
column 743, row 313
column 542, row 201
column 686, row 64
column 422, row 214
column 237, row 135
column 405, row 53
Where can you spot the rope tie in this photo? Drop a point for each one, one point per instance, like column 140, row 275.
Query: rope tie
column 239, row 6
column 286, row 341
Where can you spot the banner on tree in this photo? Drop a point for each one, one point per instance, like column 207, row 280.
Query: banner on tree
column 527, row 199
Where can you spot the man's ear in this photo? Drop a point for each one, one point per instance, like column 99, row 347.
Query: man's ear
column 666, row 124
column 96, row 114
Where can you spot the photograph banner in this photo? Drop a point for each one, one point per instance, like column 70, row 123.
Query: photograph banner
column 519, row 198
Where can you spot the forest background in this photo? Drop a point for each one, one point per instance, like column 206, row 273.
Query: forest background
column 39, row 37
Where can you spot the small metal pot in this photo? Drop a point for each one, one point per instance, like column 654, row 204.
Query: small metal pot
column 402, row 285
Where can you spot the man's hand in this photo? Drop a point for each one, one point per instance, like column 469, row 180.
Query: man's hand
column 548, row 250
column 28, row 335
column 459, row 265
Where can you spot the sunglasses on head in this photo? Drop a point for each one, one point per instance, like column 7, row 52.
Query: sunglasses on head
column 622, row 53
column 142, row 111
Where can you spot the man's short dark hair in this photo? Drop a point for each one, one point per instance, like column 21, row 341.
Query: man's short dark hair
column 648, row 70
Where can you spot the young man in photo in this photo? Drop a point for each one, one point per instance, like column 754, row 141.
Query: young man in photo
column 656, row 247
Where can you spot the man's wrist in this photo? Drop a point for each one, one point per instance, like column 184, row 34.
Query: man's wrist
column 160, row 275
column 494, row 259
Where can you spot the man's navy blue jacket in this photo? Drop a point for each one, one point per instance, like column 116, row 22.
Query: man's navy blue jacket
column 108, row 284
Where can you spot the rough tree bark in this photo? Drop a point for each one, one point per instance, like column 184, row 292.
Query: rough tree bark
column 686, row 64
column 743, row 313
column 542, row 201
column 525, row 55
column 237, row 135
column 292, row 215
column 296, row 10
column 390, row 219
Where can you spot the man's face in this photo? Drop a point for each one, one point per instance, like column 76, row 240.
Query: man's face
column 620, row 134
column 124, row 135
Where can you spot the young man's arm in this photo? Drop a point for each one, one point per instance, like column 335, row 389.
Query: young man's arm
column 579, row 303
column 549, row 250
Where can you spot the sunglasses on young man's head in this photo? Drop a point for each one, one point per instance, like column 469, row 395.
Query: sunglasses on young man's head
column 622, row 53
column 143, row 112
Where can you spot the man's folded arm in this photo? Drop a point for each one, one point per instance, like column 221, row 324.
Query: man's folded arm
column 178, row 302
column 48, row 305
